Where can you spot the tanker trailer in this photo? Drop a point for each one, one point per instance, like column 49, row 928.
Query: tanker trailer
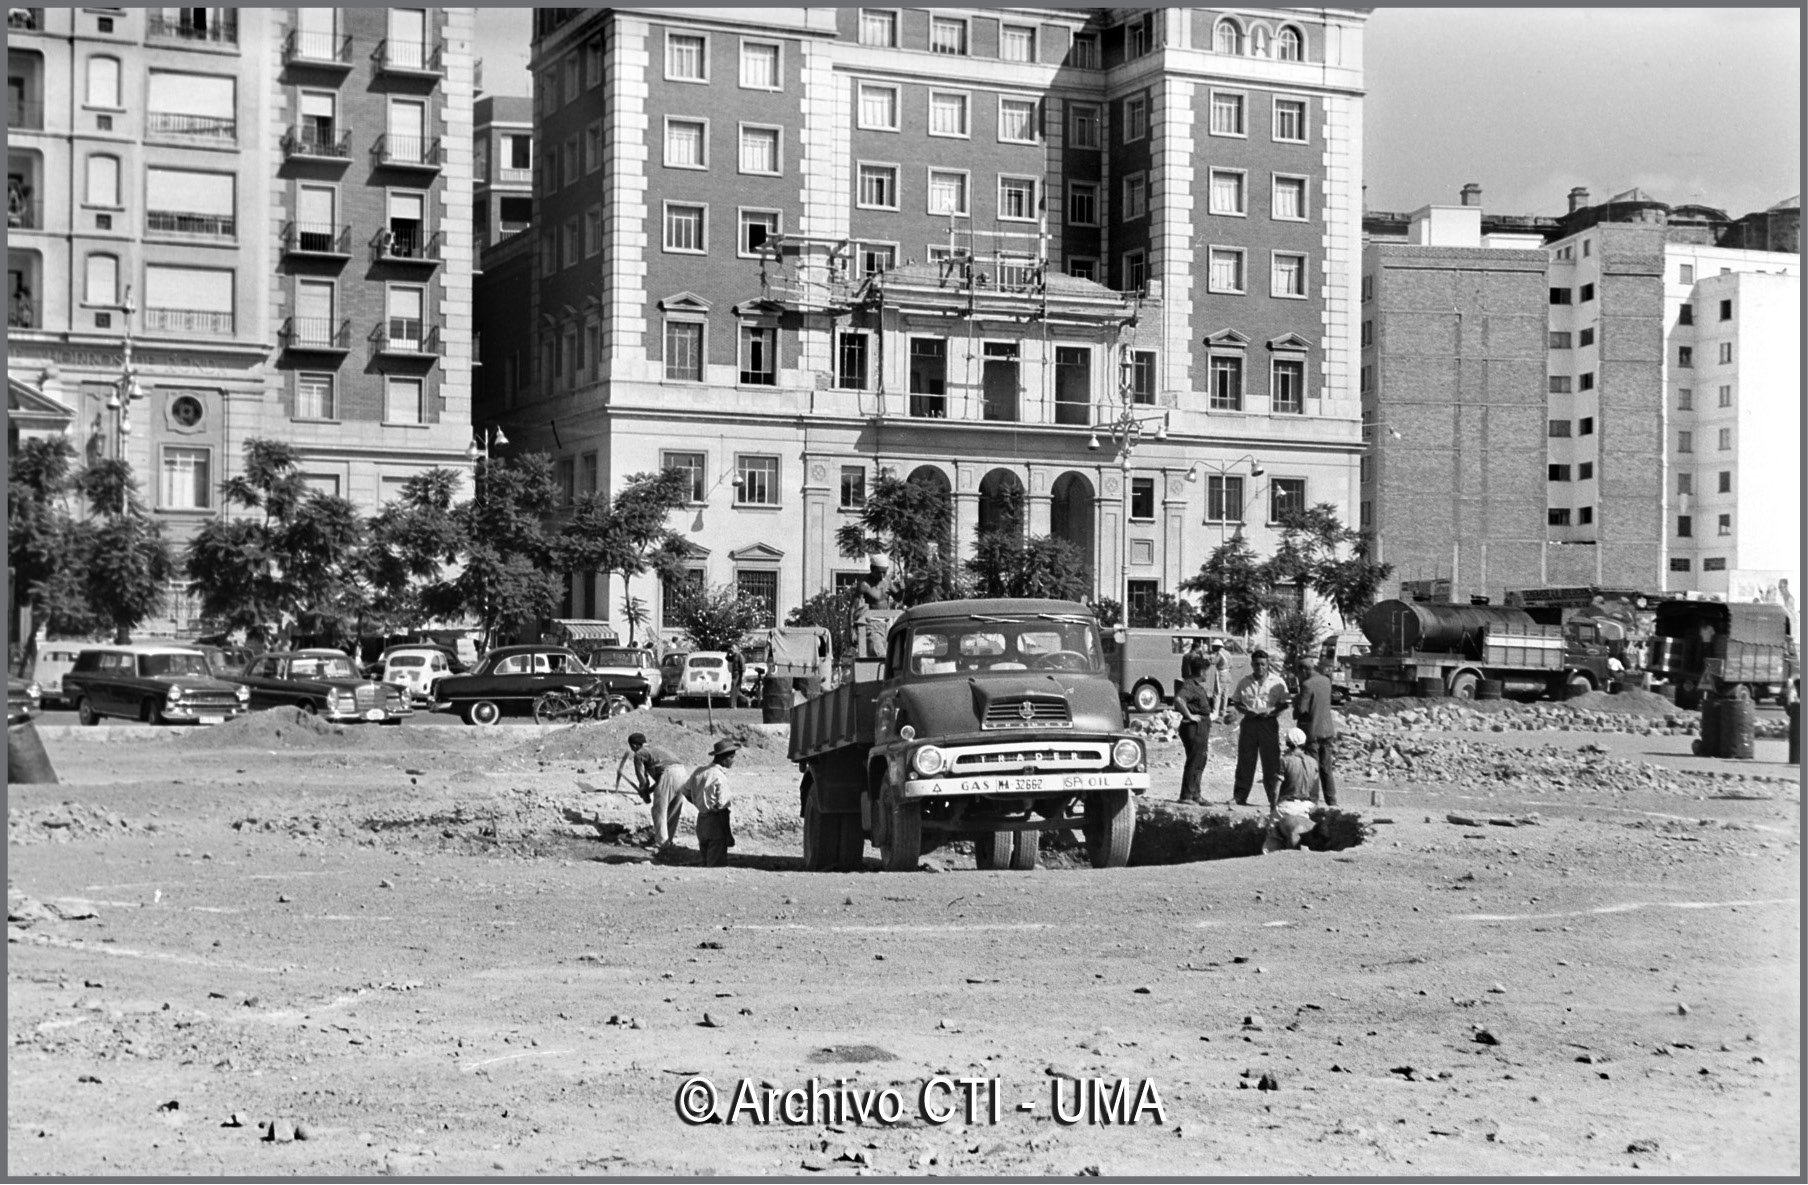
column 1461, row 645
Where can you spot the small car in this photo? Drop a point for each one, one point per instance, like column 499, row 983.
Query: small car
column 508, row 679
column 629, row 671
column 156, row 682
column 671, row 673
column 23, row 700
column 323, row 683
column 55, row 659
column 705, row 676
column 417, row 669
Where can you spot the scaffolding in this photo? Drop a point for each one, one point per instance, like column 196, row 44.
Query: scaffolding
column 807, row 273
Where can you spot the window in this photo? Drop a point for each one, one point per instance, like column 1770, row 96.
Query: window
column 1290, row 121
column 691, row 465
column 593, row 62
column 1559, row 339
column 1136, row 271
column 1726, row 440
column 1723, row 524
column 1724, row 484
column 1559, row 428
column 1227, row 191
column 1368, row 333
column 1587, row 338
column 593, row 146
column 851, row 360
column 1289, row 277
column 1685, row 483
column 684, row 351
column 1018, row 122
column 1685, row 441
column 876, row 258
column 853, row 487
column 407, row 139
column 1685, row 315
column 1228, row 37
column 760, row 66
column 1227, row 269
column 1085, row 52
column 402, row 400
column 759, row 150
column 1556, row 473
column 1288, row 44
column 1142, row 498
column 103, row 82
column 759, row 355
column 1585, row 471
column 593, row 231
column 185, row 483
column 1073, row 385
column 1726, row 352
column 1714, row 564
column 1083, row 268
column 314, row 396
column 878, row 187
column 1286, row 495
column 406, row 306
column 1685, row 358
column 1679, row 564
column 102, row 281
column 1226, row 377
column 1368, row 289
column 574, row 79
column 1289, row 386
column 947, row 192
column 1136, row 195
column 1289, row 201
column 756, row 227
column 673, row 592
column 878, row 107
column 1587, row 294
column 1017, row 198
column 567, row 478
column 947, row 35
column 1560, row 296
column 1017, row 43
column 570, row 239
column 1685, row 399
column 1082, row 203
column 520, row 151
column 759, row 585
column 1586, row 382
column 928, row 377
column 1136, row 119
column 1136, row 37
column 1142, row 376
column 1585, row 426
column 1557, row 518
column 879, row 28
column 103, row 181
column 1588, row 248
column 1686, row 273
column 1085, row 125
column 1224, row 500
column 686, row 57
column 195, row 106
column 686, row 228
column 1726, row 395
column 1726, row 310
column 686, row 144
column 1227, row 114
column 1685, row 525
column 947, row 113
column 313, row 323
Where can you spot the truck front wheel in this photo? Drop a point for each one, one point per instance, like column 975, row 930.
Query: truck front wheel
column 1110, row 825
column 903, row 845
column 1029, row 849
column 995, row 849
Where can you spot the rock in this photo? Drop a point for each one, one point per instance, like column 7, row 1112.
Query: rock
column 1268, row 1082
column 710, row 1022
column 1498, row 990
column 282, row 898
column 304, row 1131
column 1644, row 1145
column 283, row 1132
column 385, row 883
column 1484, row 1037
column 1682, row 1010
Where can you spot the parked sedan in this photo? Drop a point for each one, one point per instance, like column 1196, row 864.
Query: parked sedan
column 706, row 676
column 324, row 683
column 417, row 670
column 155, row 682
column 22, row 700
column 507, row 680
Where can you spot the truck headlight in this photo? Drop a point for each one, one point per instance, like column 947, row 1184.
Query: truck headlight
column 242, row 692
column 929, row 761
column 1126, row 754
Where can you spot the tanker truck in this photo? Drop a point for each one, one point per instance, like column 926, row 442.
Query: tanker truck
column 1461, row 645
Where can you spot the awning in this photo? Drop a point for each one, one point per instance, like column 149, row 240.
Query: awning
column 585, row 631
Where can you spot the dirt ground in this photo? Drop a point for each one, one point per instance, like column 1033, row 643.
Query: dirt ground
column 440, row 951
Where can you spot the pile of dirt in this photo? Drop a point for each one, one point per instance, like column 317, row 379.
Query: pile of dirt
column 1448, row 715
column 602, row 742
column 1631, row 701
column 1169, row 833
column 292, row 728
column 68, row 821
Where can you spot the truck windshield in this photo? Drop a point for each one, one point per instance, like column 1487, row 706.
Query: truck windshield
column 965, row 645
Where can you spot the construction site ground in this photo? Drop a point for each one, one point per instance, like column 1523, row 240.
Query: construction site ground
column 445, row 951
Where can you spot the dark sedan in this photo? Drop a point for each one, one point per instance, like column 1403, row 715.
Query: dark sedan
column 507, row 679
column 324, row 684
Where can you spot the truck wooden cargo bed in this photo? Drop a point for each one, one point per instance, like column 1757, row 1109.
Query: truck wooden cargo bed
column 836, row 719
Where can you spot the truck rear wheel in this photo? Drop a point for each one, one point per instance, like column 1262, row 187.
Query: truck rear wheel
column 1462, row 685
column 850, row 841
column 1578, row 685
column 903, row 845
column 1110, row 825
column 817, row 847
column 995, row 849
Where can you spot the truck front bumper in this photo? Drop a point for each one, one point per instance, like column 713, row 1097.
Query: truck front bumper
column 1027, row 785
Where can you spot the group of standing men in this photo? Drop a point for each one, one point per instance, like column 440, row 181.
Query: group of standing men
column 667, row 784
column 1303, row 772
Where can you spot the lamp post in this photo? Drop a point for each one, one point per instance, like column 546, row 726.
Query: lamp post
column 485, row 442
column 1224, row 471
column 1125, row 431
column 125, row 391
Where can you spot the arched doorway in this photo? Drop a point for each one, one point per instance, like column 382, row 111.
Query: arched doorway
column 1072, row 515
column 935, row 483
column 1001, row 505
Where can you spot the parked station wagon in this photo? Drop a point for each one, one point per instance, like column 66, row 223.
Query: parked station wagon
column 157, row 683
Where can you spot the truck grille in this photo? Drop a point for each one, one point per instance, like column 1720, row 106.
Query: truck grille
column 1008, row 758
column 1023, row 712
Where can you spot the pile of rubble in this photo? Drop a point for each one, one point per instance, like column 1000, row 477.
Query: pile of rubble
column 68, row 821
column 1546, row 769
column 1512, row 716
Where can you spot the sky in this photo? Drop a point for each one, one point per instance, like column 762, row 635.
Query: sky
column 1689, row 104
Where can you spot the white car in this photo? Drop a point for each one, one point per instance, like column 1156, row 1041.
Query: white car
column 705, row 676
column 55, row 659
column 417, row 670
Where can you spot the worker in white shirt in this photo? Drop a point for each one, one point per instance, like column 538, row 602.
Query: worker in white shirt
column 708, row 791
column 1261, row 696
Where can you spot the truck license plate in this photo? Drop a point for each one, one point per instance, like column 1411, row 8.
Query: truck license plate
column 1026, row 784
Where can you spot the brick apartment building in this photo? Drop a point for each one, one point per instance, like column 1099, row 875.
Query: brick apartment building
column 791, row 249
column 248, row 222
column 1583, row 400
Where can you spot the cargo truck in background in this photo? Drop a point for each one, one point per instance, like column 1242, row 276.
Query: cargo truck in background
column 988, row 719
column 1462, row 645
column 1701, row 647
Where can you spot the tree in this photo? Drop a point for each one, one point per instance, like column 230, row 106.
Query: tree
column 1297, row 632
column 1233, row 585
column 1309, row 555
column 719, row 617
column 1172, row 613
column 508, row 573
column 45, row 542
column 910, row 521
column 629, row 533
column 125, row 560
column 634, row 612
column 410, row 541
column 834, row 611
column 1005, row 564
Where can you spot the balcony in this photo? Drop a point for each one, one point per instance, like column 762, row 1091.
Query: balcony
column 514, row 176
column 29, row 20
column 193, row 321
column 317, row 335
column 313, row 143
column 409, row 57
column 405, row 246
column 406, row 337
column 221, row 30
column 220, row 227
column 21, row 313
column 331, row 51
column 217, row 128
column 24, row 116
column 325, row 239
column 407, row 152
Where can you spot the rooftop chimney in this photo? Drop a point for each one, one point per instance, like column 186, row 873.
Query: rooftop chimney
column 1472, row 194
column 1578, row 199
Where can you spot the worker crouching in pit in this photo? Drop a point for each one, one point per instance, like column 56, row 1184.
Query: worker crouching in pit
column 1291, row 817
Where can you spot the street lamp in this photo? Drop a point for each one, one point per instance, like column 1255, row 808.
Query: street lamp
column 124, row 392
column 1225, row 511
column 1126, row 431
column 486, row 440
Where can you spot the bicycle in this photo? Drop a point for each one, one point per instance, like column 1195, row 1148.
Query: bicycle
column 574, row 705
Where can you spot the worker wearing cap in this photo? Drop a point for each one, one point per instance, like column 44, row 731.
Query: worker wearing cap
column 709, row 792
column 1261, row 696
column 660, row 778
column 1312, row 713
column 876, row 589
column 1290, row 816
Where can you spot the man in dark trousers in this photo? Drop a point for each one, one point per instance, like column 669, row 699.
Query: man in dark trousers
column 660, row 778
column 1312, row 715
column 1261, row 696
column 1195, row 700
